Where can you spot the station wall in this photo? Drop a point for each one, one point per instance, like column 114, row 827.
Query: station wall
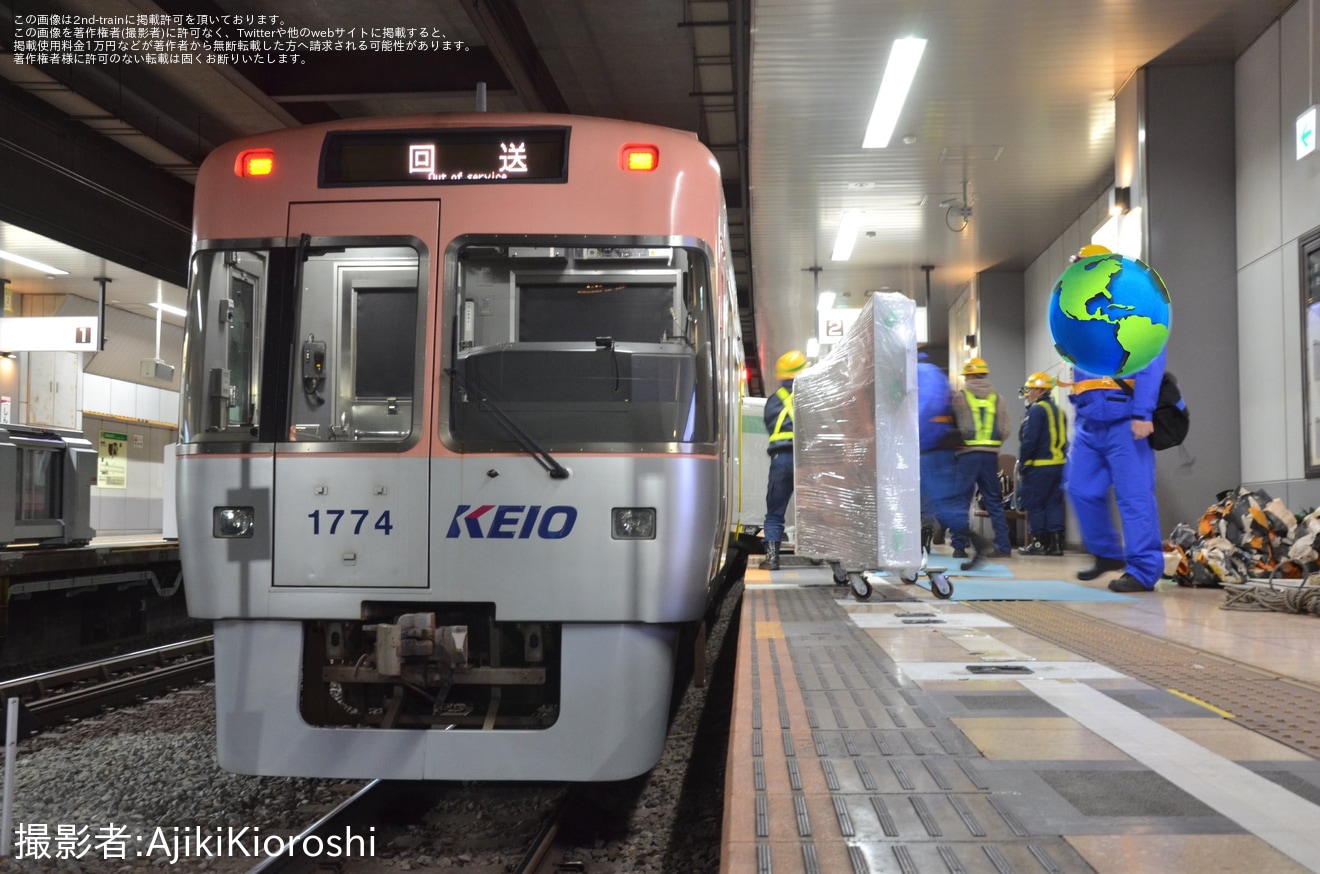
column 1278, row 203
column 148, row 416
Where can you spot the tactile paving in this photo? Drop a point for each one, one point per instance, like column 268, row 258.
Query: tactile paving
column 868, row 775
column 1278, row 707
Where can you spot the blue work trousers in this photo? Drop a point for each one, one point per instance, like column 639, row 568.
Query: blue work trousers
column 982, row 469
column 778, row 490
column 1040, row 496
column 943, row 495
column 1103, row 457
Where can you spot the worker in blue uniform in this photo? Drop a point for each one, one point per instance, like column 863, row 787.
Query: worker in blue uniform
column 943, row 492
column 779, row 425
column 1110, row 450
column 981, row 416
column 1042, row 450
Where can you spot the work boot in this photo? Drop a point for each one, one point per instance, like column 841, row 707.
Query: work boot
column 1054, row 543
column 771, row 562
column 1128, row 583
column 1102, row 565
column 980, row 549
column 1035, row 547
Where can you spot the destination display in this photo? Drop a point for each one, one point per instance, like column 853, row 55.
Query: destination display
column 445, row 157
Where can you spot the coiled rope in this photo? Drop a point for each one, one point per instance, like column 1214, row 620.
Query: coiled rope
column 1279, row 599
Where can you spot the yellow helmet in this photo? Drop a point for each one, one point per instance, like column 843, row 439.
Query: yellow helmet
column 1092, row 249
column 790, row 364
column 975, row 367
column 1038, row 379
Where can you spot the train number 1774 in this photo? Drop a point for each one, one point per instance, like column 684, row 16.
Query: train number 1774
column 356, row 519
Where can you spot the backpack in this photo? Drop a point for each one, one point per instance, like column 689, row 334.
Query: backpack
column 1171, row 417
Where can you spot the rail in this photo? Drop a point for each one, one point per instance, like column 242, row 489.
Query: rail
column 383, row 804
column 83, row 690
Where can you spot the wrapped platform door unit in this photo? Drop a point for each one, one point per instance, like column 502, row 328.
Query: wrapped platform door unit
column 856, row 451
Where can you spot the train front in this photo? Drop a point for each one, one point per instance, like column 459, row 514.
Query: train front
column 455, row 431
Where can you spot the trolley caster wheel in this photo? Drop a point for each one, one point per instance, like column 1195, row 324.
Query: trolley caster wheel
column 839, row 574
column 940, row 586
column 910, row 580
column 861, row 587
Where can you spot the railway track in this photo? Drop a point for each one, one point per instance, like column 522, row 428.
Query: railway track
column 84, row 690
column 366, row 822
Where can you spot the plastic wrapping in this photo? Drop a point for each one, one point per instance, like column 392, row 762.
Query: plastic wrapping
column 856, row 453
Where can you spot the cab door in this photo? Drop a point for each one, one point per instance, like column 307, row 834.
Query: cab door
column 351, row 479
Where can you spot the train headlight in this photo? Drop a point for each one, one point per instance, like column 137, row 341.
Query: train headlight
column 632, row 523
column 233, row 522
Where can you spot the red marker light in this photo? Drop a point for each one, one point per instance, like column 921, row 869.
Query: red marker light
column 639, row 156
column 255, row 162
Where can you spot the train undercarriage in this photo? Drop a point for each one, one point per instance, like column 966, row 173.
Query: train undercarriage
column 423, row 667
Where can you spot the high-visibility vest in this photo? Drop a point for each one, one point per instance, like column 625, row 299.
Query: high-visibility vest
column 1058, row 436
column 983, row 416
column 779, row 437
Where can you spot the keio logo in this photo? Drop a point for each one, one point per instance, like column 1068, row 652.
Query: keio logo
column 512, row 521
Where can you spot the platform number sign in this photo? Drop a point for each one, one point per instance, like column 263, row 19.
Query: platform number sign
column 50, row 334
column 832, row 325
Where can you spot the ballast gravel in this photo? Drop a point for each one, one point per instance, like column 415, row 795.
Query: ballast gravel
column 138, row 788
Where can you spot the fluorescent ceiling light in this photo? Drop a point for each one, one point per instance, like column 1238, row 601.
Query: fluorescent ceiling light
column 922, row 326
column 899, row 73
column 35, row 265
column 849, row 225
column 172, row 310
column 826, row 301
column 813, row 347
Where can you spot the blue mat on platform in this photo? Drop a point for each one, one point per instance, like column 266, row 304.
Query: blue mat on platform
column 965, row 589
column 990, row 569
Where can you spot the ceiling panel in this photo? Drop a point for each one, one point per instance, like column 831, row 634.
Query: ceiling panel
column 1012, row 98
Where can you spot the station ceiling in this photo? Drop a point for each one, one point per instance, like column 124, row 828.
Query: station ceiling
column 1010, row 114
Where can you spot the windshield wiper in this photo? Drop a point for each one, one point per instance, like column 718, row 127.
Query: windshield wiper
column 608, row 343
column 525, row 440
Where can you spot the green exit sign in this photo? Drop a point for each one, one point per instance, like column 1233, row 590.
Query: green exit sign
column 1306, row 133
